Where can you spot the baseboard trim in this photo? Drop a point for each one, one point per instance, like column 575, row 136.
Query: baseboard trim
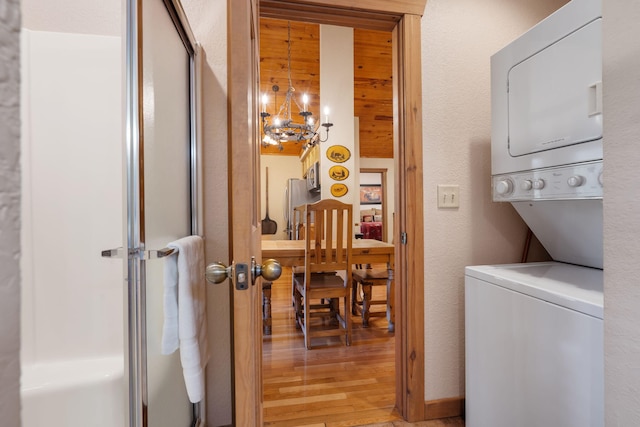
column 444, row 408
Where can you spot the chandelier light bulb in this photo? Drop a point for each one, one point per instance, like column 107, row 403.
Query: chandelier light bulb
column 326, row 114
column 305, row 101
column 265, row 99
column 276, row 121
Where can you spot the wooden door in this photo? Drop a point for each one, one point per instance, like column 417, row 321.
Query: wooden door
column 243, row 48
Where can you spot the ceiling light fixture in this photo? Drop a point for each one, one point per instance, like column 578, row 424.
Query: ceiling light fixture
column 282, row 128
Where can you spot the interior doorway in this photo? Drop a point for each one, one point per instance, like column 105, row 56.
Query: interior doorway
column 376, row 204
column 403, row 19
column 333, row 381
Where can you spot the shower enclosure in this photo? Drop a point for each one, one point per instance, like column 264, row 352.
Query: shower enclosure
column 72, row 300
column 110, row 167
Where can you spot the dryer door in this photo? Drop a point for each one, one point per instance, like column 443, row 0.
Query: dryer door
column 555, row 95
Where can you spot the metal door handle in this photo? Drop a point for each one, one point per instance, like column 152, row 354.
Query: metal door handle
column 270, row 270
column 217, row 272
column 112, row 253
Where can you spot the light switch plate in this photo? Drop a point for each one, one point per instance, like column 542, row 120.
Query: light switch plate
column 448, row 196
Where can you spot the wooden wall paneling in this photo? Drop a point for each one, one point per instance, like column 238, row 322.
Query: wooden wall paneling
column 373, row 92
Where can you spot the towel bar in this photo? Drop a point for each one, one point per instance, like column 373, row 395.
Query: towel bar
column 161, row 253
column 150, row 254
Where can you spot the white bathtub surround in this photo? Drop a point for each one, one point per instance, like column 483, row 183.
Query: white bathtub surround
column 72, row 306
column 74, row 393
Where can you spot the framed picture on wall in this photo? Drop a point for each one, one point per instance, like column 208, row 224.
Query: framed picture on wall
column 371, row 194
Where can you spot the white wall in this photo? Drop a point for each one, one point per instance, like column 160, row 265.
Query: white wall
column 336, row 92
column 10, row 218
column 281, row 168
column 458, row 38
column 621, row 83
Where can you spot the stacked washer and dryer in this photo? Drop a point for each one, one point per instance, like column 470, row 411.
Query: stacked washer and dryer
column 534, row 331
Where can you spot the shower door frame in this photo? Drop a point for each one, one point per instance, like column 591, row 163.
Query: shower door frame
column 136, row 253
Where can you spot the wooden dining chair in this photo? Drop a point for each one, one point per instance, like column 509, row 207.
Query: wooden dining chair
column 364, row 279
column 317, row 294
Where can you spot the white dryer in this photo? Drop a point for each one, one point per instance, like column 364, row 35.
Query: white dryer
column 546, row 131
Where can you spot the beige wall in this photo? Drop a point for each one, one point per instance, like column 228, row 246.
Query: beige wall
column 208, row 22
column 621, row 83
column 458, row 38
column 10, row 213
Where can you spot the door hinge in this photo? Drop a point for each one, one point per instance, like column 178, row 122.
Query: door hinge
column 403, row 238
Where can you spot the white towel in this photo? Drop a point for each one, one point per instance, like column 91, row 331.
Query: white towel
column 185, row 317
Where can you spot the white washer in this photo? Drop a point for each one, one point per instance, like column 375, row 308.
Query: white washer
column 534, row 345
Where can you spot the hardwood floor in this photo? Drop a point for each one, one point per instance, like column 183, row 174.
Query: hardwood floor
column 331, row 385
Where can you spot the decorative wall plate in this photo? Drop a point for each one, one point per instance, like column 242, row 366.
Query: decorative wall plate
column 339, row 190
column 338, row 173
column 338, row 153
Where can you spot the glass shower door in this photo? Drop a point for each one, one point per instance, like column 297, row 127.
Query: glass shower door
column 162, row 198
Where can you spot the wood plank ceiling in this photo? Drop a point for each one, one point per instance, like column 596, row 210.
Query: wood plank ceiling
column 373, row 92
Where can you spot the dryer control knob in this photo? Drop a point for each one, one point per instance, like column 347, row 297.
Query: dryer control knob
column 575, row 181
column 526, row 185
column 504, row 187
column 538, row 184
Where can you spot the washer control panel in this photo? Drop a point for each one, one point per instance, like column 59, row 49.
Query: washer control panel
column 579, row 181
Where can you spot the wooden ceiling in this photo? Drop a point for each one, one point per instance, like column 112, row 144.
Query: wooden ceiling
column 373, row 92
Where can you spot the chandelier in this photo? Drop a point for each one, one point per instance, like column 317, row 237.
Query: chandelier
column 282, row 128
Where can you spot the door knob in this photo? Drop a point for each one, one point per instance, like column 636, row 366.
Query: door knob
column 217, row 272
column 270, row 270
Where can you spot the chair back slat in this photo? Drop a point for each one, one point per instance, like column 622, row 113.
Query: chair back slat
column 329, row 247
column 340, row 237
column 328, row 236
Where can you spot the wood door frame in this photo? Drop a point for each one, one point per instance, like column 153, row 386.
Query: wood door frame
column 403, row 19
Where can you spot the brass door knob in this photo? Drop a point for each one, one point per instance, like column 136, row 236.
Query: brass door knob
column 270, row 269
column 217, row 272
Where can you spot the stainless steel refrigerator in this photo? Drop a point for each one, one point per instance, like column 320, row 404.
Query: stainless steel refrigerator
column 296, row 194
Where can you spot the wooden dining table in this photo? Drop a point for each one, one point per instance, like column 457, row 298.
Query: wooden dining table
column 291, row 253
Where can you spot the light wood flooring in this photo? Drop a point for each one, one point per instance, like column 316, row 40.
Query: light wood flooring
column 331, row 385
